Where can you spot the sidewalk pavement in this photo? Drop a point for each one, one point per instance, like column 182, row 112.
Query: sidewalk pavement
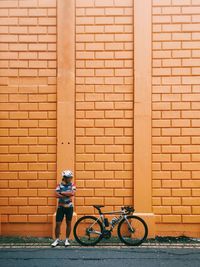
column 158, row 242
column 102, row 245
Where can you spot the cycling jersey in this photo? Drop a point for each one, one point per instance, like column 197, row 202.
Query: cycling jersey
column 67, row 200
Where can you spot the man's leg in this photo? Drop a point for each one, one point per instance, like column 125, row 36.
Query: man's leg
column 68, row 228
column 59, row 218
column 69, row 215
column 57, row 229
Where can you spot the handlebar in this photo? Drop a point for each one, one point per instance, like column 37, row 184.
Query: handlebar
column 128, row 209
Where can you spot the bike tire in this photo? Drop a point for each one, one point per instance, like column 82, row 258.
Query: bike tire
column 92, row 243
column 141, row 240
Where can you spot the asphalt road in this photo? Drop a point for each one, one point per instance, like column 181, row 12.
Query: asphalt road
column 95, row 257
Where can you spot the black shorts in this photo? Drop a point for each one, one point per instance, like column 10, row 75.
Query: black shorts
column 62, row 211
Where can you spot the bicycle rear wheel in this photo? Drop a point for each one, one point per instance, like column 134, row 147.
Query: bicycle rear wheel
column 132, row 231
column 88, row 230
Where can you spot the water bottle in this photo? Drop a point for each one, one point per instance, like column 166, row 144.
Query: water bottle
column 114, row 221
column 106, row 222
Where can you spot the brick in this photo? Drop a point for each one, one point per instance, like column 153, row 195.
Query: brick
column 94, row 166
column 195, row 210
column 103, row 140
column 84, row 157
column 190, row 201
column 103, row 174
column 94, row 149
column 8, row 210
column 85, row 192
column 85, row 140
column 114, row 183
column 113, row 166
column 170, row 132
column 37, row 166
column 103, row 157
column 85, row 210
column 46, row 209
column 171, row 184
column 86, row 3
column 180, row 140
column 104, row 193
column 190, row 184
column 124, row 157
column 190, row 166
column 18, row 149
column 18, row 132
column 37, row 218
column 181, row 157
column 171, row 201
column 27, row 192
column 162, row 209
column 85, row 174
column 114, row 149
column 94, row 183
column 171, row 218
column 114, row 201
column 17, row 218
column 28, row 210
column 18, row 166
column 190, row 218
column 123, row 192
column 161, row 192
column 181, row 192
column 18, row 201
column 17, row 184
column 161, row 175
column 46, row 193
column 113, row 131
column 191, row 10
column 190, row 149
column 47, row 3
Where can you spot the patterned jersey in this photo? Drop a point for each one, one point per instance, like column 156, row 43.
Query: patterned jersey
column 70, row 187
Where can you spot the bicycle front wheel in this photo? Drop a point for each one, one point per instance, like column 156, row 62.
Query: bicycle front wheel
column 88, row 230
column 132, row 230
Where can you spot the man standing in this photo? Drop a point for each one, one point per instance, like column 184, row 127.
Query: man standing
column 64, row 192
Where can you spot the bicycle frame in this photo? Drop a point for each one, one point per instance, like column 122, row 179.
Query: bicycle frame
column 123, row 214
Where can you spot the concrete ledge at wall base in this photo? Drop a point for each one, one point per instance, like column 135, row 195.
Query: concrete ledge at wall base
column 178, row 229
column 26, row 229
column 63, row 227
column 149, row 218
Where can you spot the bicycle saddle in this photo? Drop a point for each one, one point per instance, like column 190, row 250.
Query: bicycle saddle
column 98, row 207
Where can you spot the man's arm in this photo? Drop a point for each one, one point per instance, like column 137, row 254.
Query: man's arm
column 58, row 192
column 67, row 194
column 70, row 193
column 58, row 195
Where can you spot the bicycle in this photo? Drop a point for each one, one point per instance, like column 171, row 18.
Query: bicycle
column 132, row 230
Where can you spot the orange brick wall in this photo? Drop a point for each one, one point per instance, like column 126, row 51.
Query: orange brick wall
column 104, row 111
column 176, row 116
column 28, row 114
column 104, row 104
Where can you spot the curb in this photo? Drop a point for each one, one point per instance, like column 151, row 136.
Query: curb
column 108, row 245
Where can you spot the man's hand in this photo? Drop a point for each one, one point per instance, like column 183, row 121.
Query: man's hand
column 59, row 195
column 68, row 194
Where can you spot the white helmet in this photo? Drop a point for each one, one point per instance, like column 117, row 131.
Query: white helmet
column 67, row 173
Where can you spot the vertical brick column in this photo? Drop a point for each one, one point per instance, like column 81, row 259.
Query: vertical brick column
column 65, row 93
column 65, row 86
column 142, row 112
